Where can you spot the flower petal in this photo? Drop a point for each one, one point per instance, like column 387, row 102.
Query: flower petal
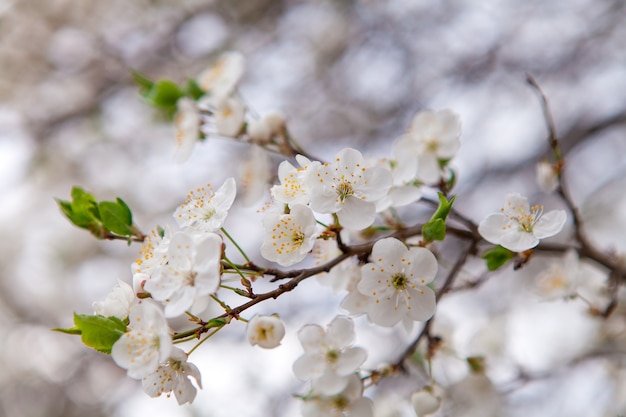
column 492, row 228
column 550, row 224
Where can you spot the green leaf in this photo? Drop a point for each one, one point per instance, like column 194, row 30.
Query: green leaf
column 68, row 330
column 163, row 95
column 144, row 83
column 82, row 211
column 444, row 208
column 221, row 322
column 193, row 90
column 116, row 217
column 497, row 256
column 434, row 230
column 99, row 332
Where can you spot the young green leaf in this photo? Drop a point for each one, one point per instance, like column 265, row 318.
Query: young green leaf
column 99, row 332
column 497, row 257
column 116, row 217
column 82, row 211
column 434, row 230
column 163, row 95
column 193, row 90
column 144, row 83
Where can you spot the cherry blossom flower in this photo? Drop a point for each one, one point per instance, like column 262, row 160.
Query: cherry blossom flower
column 561, row 278
column 329, row 358
column 519, row 227
column 187, row 125
column 340, row 276
column 220, row 79
column 265, row 331
column 347, row 403
column 432, row 137
column 190, row 276
column 230, row 117
column 547, row 177
column 349, row 189
column 294, row 185
column 146, row 343
column 404, row 189
column 117, row 303
column 205, row 211
column 396, row 279
column 152, row 255
column 288, row 237
column 173, row 375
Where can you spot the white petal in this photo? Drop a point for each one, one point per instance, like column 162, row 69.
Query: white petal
column 330, row 383
column 340, row 332
column 422, row 303
column 493, row 227
column 424, row 265
column 357, row 214
column 361, row 408
column 517, row 241
column 307, row 367
column 428, row 168
column 550, row 224
column 350, row 361
column 312, row 337
column 515, row 203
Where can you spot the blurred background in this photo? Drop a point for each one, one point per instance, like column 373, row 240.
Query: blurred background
column 346, row 73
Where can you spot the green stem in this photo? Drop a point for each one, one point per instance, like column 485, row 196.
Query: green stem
column 217, row 329
column 236, row 245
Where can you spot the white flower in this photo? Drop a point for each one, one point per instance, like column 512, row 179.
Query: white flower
column 220, row 79
column 146, row 343
column 152, row 255
column 262, row 131
column 349, row 189
column 425, row 403
column 187, row 125
column 288, row 237
column 329, row 358
column 347, row 403
column 432, row 137
column 561, row 278
column 547, row 177
column 173, row 376
column 397, row 279
column 519, row 227
column 265, row 331
column 205, row 212
column 190, row 276
column 230, row 117
column 117, row 303
column 294, row 185
column 404, row 189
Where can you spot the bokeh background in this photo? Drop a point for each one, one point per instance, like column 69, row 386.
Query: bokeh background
column 346, row 73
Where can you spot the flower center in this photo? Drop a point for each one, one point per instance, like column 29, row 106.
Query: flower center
column 344, row 190
column 399, row 281
column 208, row 214
column 340, row 402
column 297, row 239
column 190, row 278
column 332, row 356
column 526, row 221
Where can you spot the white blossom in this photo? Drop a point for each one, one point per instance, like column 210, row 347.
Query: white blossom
column 546, row 176
column 519, row 227
column 561, row 278
column 187, row 125
column 265, row 331
column 349, row 402
column 221, row 78
column 152, row 255
column 190, row 276
column 396, row 279
column 173, row 375
column 205, row 211
column 340, row 276
column 349, row 189
column 294, row 185
column 117, row 303
column 288, row 237
column 230, row 117
column 329, row 358
column 145, row 344
column 433, row 136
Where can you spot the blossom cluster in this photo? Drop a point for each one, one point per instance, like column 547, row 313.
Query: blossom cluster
column 316, row 208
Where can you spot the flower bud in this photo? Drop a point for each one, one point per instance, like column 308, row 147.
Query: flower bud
column 259, row 131
column 425, row 403
column 117, row 303
column 265, row 331
column 546, row 177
